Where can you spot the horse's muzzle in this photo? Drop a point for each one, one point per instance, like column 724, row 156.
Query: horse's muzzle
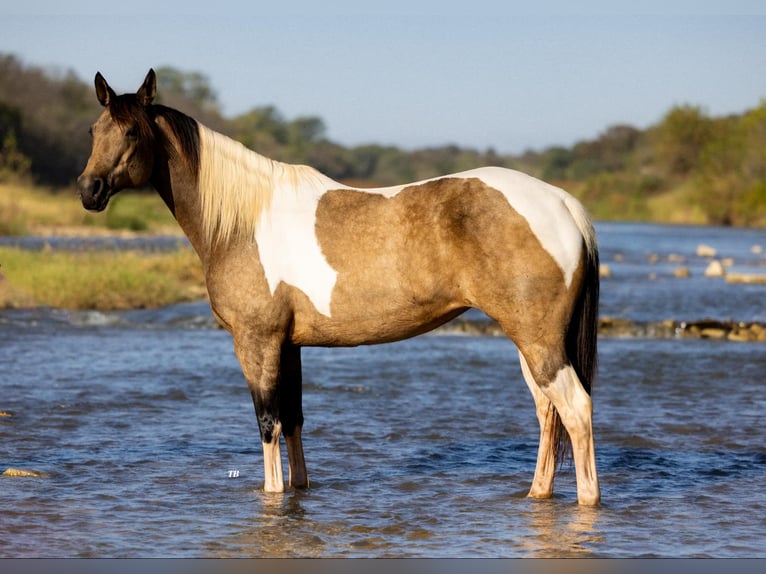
column 94, row 192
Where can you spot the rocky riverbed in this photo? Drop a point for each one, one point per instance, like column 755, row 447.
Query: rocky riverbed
column 622, row 328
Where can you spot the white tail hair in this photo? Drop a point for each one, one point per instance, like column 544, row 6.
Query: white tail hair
column 584, row 223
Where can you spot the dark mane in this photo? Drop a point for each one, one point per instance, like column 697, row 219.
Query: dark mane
column 186, row 131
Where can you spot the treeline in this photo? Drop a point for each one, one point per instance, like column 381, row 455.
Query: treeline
column 689, row 167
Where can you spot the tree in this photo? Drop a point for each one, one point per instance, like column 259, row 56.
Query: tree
column 556, row 162
column 731, row 181
column 262, row 129
column 13, row 163
column 680, row 138
column 194, row 87
column 191, row 93
column 303, row 134
column 306, row 129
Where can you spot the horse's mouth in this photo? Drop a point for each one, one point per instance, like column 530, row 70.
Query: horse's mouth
column 95, row 204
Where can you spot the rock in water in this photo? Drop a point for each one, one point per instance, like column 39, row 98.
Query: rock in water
column 19, row 473
column 747, row 278
column 715, row 269
column 705, row 251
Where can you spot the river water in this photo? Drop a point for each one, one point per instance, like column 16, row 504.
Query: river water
column 143, row 430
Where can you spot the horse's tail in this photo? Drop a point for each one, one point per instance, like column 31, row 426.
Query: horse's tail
column 582, row 334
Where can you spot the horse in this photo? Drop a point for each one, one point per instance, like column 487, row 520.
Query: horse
column 292, row 258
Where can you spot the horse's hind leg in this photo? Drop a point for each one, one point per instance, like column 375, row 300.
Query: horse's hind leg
column 291, row 413
column 575, row 408
column 545, row 469
column 558, row 381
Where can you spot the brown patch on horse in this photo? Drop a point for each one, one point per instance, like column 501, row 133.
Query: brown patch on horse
column 427, row 254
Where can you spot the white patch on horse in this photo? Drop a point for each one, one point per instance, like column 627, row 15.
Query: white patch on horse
column 547, row 210
column 288, row 246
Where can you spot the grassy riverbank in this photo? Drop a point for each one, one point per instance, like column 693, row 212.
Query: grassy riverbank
column 31, row 210
column 104, row 280
column 94, row 279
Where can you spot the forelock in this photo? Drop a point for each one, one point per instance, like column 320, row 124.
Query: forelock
column 125, row 111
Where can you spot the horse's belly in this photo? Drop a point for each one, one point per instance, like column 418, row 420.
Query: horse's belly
column 374, row 327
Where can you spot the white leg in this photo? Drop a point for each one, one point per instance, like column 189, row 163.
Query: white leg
column 272, row 463
column 542, row 483
column 576, row 409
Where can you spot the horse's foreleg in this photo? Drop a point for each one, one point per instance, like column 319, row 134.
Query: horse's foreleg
column 291, row 413
column 271, row 429
column 260, row 365
column 545, row 469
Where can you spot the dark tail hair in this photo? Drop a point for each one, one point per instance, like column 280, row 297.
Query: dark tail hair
column 581, row 345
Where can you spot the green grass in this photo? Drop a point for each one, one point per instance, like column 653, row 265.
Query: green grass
column 93, row 279
column 104, row 280
column 138, row 212
column 677, row 206
column 32, row 210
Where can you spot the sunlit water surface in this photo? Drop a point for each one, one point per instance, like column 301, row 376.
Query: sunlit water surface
column 144, row 429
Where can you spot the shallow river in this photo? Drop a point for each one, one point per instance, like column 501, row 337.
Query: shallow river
column 144, row 431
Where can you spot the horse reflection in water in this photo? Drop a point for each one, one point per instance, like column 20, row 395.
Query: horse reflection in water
column 292, row 259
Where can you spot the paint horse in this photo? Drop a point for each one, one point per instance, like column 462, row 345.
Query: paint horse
column 292, row 258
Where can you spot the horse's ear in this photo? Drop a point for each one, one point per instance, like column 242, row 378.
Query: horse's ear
column 104, row 93
column 148, row 89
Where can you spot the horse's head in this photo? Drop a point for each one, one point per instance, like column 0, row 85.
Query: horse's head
column 123, row 144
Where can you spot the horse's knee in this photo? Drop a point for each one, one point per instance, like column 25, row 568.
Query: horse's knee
column 267, row 414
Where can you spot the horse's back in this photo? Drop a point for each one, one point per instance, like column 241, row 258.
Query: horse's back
column 454, row 218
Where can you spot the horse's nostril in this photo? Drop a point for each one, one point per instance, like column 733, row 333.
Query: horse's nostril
column 92, row 186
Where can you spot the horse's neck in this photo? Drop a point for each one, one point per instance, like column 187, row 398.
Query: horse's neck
column 224, row 194
column 176, row 183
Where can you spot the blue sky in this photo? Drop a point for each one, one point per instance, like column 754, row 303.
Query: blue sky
column 413, row 74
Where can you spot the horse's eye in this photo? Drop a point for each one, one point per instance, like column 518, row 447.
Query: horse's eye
column 132, row 133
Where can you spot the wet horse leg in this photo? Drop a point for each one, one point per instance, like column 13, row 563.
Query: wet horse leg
column 260, row 365
column 291, row 413
column 545, row 469
column 560, row 384
column 576, row 411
